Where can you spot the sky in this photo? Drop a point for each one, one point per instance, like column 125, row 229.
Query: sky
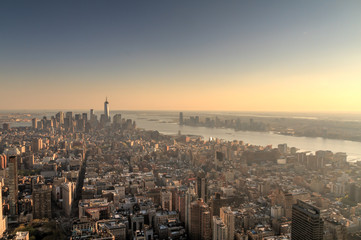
column 181, row 55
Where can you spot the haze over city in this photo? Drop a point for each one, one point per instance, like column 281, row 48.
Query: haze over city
column 180, row 120
column 181, row 55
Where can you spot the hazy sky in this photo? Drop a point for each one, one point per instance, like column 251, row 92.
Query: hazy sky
column 181, row 55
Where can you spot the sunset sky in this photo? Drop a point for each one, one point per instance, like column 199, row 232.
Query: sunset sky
column 181, row 55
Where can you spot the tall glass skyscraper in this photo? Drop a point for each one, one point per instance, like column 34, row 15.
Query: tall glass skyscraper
column 106, row 109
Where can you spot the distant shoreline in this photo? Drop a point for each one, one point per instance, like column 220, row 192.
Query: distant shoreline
column 18, row 118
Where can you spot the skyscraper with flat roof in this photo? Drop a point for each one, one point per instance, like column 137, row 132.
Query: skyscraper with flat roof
column 307, row 223
column 2, row 219
column 227, row 217
column 34, row 122
column 41, row 201
column 219, row 229
column 11, row 181
column 60, row 118
column 201, row 187
column 200, row 225
column 37, row 144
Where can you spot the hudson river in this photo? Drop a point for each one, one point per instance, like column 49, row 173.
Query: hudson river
column 166, row 123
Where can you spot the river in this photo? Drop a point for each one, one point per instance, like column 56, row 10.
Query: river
column 166, row 123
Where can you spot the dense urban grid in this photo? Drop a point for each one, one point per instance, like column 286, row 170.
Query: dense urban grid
column 74, row 177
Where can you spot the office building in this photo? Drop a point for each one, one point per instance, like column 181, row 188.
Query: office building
column 69, row 115
column 68, row 122
column 117, row 120
column 34, row 122
column 166, row 200
column 60, row 118
column 2, row 219
column 307, row 223
column 206, row 222
column 67, row 193
column 187, row 210
column 77, row 117
column 106, row 109
column 219, row 229
column 103, row 120
column 227, row 217
column 181, row 118
column 40, row 125
column 85, row 117
column 200, row 227
column 201, row 188
column 37, row 144
column 41, row 201
column 29, row 161
column 11, row 181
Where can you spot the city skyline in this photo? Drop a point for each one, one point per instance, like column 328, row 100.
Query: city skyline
column 182, row 120
column 210, row 56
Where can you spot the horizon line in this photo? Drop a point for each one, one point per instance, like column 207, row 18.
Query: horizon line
column 169, row 110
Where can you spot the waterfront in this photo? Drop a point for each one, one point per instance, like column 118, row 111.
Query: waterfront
column 166, row 123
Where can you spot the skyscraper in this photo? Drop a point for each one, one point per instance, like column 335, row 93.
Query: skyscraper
column 69, row 115
column 187, row 206
column 166, row 200
column 227, row 217
column 11, row 181
column 42, row 201
column 180, row 118
column 93, row 118
column 219, row 229
column 2, row 219
column 37, row 144
column 106, row 109
column 68, row 121
column 85, row 117
column 34, row 122
column 29, row 161
column 200, row 226
column 117, row 120
column 201, row 187
column 307, row 223
column 67, row 193
column 60, row 118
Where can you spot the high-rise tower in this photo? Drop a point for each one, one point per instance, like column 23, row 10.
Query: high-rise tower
column 2, row 219
column 227, row 217
column 41, row 201
column 34, row 122
column 200, row 225
column 181, row 118
column 201, row 187
column 307, row 223
column 106, row 109
column 11, row 181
